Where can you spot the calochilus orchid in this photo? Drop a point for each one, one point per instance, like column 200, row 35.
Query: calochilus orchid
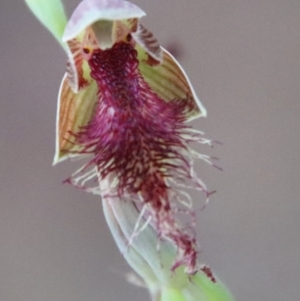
column 124, row 103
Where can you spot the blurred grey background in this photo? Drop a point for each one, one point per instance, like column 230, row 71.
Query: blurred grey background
column 243, row 59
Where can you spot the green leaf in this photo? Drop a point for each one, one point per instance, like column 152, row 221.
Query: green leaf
column 51, row 14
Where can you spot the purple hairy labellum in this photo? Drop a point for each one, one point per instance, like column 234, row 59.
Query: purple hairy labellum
column 142, row 140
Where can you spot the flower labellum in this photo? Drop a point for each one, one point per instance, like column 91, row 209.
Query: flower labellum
column 124, row 103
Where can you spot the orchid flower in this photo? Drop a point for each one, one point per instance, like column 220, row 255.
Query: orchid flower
column 125, row 103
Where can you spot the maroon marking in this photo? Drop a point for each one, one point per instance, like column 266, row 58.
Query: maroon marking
column 207, row 271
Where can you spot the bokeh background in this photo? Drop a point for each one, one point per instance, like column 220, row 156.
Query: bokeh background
column 243, row 59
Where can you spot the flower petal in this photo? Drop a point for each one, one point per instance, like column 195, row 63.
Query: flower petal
column 75, row 66
column 134, row 259
column 145, row 243
column 52, row 15
column 170, row 82
column 78, row 70
column 73, row 111
column 148, row 42
column 91, row 11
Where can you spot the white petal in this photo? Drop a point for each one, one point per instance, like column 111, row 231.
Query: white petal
column 91, row 11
